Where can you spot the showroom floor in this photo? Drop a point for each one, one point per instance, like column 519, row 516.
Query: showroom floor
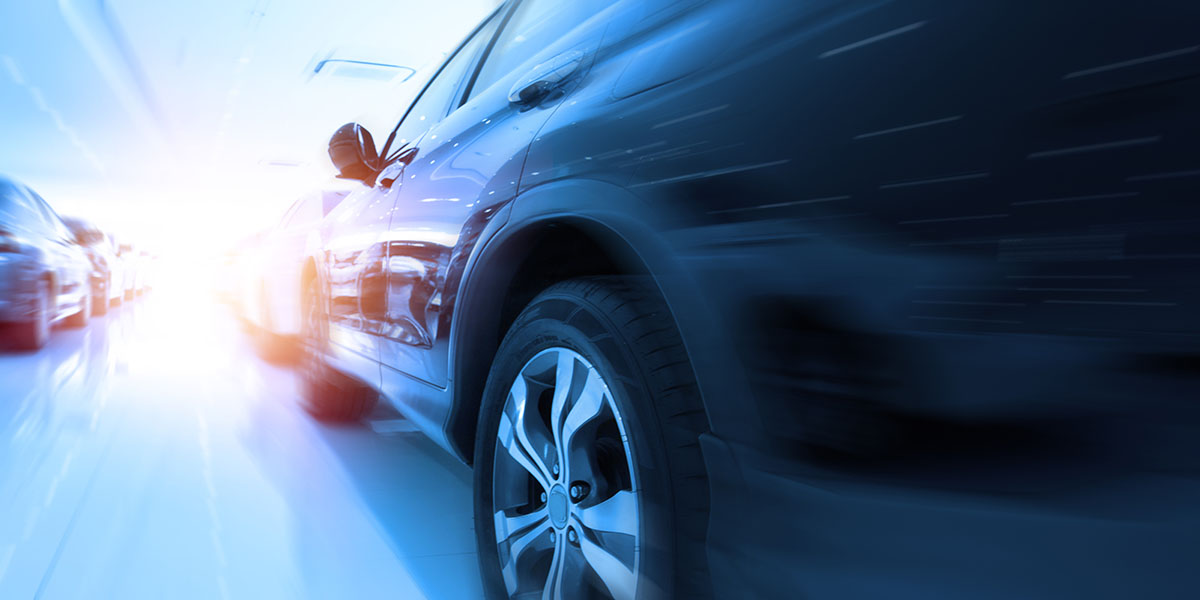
column 152, row 455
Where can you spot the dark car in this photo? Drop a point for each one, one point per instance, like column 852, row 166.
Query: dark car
column 644, row 264
column 108, row 273
column 44, row 276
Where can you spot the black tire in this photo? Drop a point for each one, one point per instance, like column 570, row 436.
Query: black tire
column 624, row 328
column 34, row 333
column 327, row 394
column 79, row 320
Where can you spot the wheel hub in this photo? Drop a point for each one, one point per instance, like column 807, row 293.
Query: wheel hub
column 559, row 506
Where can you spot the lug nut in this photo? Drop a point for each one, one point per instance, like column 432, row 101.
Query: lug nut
column 580, row 490
column 552, row 536
column 543, row 497
column 554, row 469
column 572, row 536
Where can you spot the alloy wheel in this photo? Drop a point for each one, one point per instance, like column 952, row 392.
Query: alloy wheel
column 565, row 496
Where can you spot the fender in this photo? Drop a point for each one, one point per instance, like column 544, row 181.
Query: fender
column 621, row 222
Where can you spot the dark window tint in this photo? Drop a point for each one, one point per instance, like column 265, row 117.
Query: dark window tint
column 535, row 25
column 434, row 102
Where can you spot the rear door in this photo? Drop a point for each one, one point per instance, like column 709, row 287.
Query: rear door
column 469, row 164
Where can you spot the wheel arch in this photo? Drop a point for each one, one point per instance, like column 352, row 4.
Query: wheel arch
column 555, row 232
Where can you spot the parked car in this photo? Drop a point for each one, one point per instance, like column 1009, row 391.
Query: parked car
column 44, row 276
column 108, row 273
column 641, row 263
column 147, row 270
column 130, row 262
column 271, row 296
column 239, row 273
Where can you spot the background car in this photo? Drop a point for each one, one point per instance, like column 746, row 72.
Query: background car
column 272, row 292
column 108, row 273
column 129, row 265
column 147, row 270
column 645, row 264
column 45, row 276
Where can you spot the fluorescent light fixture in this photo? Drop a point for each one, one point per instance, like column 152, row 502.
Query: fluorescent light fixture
column 361, row 69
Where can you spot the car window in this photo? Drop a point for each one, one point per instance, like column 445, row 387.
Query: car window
column 14, row 212
column 47, row 215
column 26, row 211
column 52, row 223
column 290, row 215
column 534, row 25
column 434, row 102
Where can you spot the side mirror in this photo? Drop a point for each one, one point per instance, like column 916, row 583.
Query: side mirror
column 352, row 150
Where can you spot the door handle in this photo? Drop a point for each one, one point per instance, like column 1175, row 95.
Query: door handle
column 544, row 77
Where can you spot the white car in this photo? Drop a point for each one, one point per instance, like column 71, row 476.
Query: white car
column 271, row 295
column 128, row 258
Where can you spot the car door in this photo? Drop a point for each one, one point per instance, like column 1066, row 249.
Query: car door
column 466, row 167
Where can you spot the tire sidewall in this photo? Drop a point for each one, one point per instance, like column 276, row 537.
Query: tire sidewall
column 565, row 321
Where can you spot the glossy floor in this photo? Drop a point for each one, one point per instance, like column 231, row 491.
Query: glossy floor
column 152, row 455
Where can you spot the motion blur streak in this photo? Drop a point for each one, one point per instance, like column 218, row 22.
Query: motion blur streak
column 695, row 299
column 152, row 456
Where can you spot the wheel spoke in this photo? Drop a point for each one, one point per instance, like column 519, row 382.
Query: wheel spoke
column 587, row 407
column 508, row 525
column 618, row 514
column 616, row 575
column 565, row 581
column 554, row 579
column 564, row 379
column 535, row 538
column 516, row 437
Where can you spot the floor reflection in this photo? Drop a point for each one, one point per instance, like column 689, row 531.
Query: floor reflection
column 153, row 455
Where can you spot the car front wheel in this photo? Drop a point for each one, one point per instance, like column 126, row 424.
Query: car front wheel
column 588, row 477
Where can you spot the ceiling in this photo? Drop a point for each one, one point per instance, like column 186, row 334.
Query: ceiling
column 139, row 112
